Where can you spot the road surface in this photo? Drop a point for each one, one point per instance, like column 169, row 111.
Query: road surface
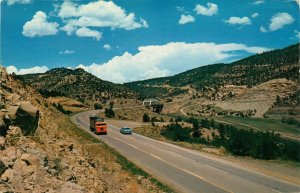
column 186, row 170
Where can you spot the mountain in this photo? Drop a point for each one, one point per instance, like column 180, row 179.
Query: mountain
column 251, row 71
column 77, row 84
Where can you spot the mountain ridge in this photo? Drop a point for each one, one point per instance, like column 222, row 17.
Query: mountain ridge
column 77, row 84
column 250, row 71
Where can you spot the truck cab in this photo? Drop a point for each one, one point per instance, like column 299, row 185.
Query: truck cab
column 98, row 125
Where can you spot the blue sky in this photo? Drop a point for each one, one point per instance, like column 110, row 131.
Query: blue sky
column 123, row 41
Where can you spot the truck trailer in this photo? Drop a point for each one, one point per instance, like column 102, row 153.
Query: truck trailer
column 98, row 125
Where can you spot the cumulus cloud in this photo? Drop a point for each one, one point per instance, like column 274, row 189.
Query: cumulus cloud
column 12, row 2
column 254, row 15
column 210, row 10
column 86, row 32
column 186, row 19
column 67, row 52
column 97, row 14
column 39, row 26
column 278, row 21
column 107, row 47
column 258, row 2
column 239, row 21
column 162, row 60
column 22, row 71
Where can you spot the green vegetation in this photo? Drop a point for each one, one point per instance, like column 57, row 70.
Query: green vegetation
column 146, row 118
column 97, row 106
column 257, row 144
column 109, row 112
column 291, row 121
column 260, row 124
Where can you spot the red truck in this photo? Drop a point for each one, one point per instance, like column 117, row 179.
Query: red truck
column 98, row 125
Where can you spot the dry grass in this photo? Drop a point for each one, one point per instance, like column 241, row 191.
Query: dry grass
column 69, row 104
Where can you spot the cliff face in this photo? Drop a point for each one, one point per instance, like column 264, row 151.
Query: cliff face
column 42, row 151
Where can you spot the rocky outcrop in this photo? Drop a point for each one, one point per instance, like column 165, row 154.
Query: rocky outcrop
column 14, row 110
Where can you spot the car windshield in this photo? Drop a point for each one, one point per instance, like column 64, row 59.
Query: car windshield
column 126, row 128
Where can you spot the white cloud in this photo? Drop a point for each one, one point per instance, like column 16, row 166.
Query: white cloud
column 66, row 52
column 186, row 19
column 162, row 60
column 254, row 15
column 69, row 29
column 39, row 26
column 258, row 2
column 107, row 47
column 279, row 20
column 263, row 29
column 239, row 21
column 181, row 9
column 86, row 32
column 11, row 2
column 211, row 9
column 22, row 71
column 297, row 34
column 97, row 14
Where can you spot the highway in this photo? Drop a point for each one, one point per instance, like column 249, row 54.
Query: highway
column 186, row 170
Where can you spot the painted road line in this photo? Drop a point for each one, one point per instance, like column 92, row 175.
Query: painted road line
column 217, row 169
column 184, row 170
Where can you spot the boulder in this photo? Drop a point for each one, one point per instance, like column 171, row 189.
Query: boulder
column 27, row 117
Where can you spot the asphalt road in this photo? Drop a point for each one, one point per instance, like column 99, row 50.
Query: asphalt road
column 186, row 170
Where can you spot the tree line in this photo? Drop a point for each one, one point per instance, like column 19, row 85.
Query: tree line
column 258, row 144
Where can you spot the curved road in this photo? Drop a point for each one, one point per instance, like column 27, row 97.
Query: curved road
column 183, row 169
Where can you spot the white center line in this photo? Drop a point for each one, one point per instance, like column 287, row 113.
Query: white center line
column 184, row 170
column 217, row 169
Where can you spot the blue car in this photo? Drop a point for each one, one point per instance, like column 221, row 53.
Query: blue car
column 125, row 130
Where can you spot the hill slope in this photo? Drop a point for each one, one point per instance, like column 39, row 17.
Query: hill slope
column 42, row 151
column 77, row 84
column 251, row 71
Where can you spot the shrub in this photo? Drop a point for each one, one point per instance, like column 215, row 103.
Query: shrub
column 146, row 118
column 109, row 112
column 176, row 132
column 97, row 106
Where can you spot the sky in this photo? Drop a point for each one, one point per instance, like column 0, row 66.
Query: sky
column 123, row 41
